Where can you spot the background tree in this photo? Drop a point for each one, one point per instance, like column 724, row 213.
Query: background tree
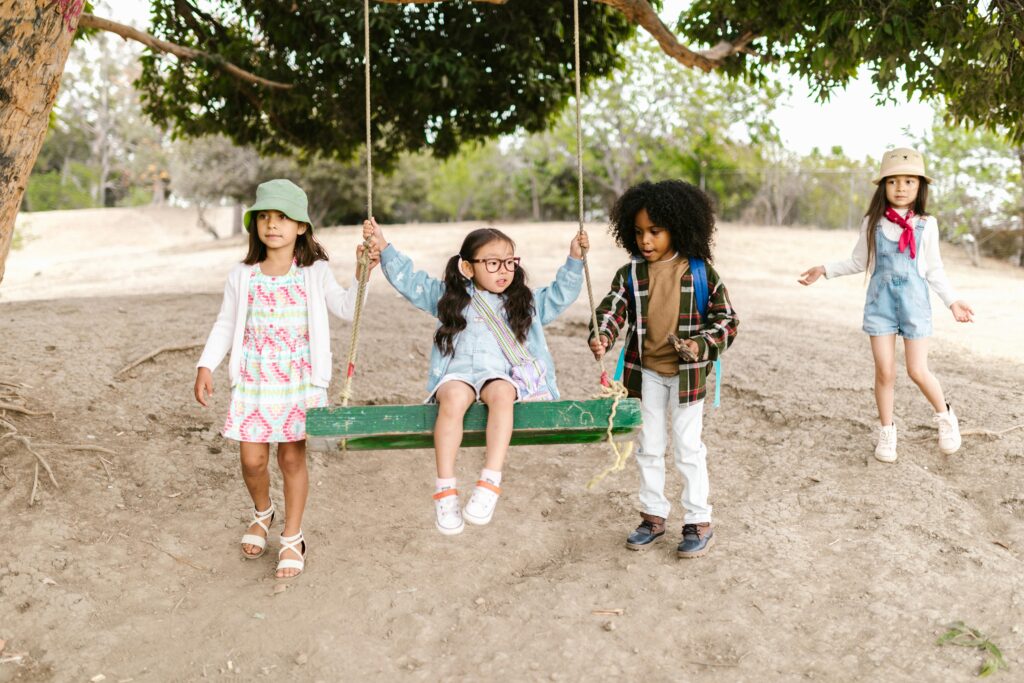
column 456, row 72
column 967, row 55
column 444, row 73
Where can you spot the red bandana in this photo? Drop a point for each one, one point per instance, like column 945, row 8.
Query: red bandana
column 907, row 236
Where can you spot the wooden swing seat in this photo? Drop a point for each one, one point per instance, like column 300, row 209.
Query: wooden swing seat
column 412, row 426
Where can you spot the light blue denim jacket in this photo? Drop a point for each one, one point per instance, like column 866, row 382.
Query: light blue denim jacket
column 424, row 292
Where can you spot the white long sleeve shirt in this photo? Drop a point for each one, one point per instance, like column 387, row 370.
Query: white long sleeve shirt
column 929, row 260
column 323, row 294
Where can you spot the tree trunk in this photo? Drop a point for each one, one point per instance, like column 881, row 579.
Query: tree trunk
column 202, row 222
column 236, row 219
column 534, row 195
column 35, row 41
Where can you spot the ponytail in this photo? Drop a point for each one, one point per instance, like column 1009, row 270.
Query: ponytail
column 450, row 306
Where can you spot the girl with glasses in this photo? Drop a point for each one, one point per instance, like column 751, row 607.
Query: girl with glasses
column 489, row 346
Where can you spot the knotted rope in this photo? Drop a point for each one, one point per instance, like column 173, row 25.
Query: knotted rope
column 363, row 268
column 610, row 388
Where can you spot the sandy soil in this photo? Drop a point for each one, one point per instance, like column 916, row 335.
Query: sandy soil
column 828, row 565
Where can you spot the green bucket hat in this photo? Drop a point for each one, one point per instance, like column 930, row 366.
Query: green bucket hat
column 280, row 195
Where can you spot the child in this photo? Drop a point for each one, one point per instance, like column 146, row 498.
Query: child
column 274, row 322
column 489, row 346
column 667, row 227
column 899, row 246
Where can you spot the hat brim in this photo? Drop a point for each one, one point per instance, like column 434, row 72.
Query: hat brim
column 901, row 170
column 291, row 209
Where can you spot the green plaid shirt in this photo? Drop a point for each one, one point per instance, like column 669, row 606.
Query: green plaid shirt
column 617, row 313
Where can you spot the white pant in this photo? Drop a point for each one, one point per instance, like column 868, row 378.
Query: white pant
column 660, row 395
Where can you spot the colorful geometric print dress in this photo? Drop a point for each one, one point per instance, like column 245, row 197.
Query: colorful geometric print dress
column 274, row 389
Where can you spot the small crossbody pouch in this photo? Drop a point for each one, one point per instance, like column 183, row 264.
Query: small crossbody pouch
column 528, row 373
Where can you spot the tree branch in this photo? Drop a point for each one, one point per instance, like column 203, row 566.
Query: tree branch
column 180, row 51
column 641, row 13
column 638, row 12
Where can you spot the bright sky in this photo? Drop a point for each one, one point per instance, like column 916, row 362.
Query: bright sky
column 851, row 119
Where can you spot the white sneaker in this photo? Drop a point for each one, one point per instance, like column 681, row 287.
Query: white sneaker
column 481, row 505
column 449, row 516
column 949, row 431
column 885, row 451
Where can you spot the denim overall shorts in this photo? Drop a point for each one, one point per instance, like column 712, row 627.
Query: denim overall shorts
column 897, row 299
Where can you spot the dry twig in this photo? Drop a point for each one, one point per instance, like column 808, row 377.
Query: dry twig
column 82, row 447
column 27, row 443
column 24, row 411
column 175, row 557
column 976, row 432
column 154, row 354
column 35, row 485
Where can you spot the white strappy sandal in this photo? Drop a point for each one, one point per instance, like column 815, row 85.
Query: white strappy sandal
column 297, row 544
column 260, row 519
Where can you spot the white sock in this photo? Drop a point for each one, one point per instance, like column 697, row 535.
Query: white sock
column 491, row 476
column 442, row 484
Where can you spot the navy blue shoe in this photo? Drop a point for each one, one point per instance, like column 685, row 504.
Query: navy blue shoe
column 697, row 540
column 650, row 530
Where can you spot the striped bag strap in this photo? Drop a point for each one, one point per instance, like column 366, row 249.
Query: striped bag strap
column 510, row 346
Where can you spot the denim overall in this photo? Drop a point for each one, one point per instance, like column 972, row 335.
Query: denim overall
column 897, row 299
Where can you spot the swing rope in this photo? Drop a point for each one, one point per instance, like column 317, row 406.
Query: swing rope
column 610, row 388
column 364, row 259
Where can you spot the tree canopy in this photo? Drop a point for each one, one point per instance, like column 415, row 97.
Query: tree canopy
column 442, row 73
column 968, row 55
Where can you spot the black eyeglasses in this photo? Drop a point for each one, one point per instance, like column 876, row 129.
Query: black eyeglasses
column 492, row 264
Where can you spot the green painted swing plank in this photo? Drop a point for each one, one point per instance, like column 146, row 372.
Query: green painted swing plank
column 412, row 426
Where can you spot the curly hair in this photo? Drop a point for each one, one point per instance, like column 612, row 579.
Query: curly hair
column 518, row 298
column 679, row 207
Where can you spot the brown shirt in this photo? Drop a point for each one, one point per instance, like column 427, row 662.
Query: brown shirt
column 663, row 315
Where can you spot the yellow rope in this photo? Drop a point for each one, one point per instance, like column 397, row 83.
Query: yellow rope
column 617, row 391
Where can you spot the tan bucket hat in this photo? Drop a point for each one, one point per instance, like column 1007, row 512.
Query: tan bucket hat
column 901, row 161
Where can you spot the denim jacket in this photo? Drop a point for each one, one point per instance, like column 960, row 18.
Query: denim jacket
column 424, row 292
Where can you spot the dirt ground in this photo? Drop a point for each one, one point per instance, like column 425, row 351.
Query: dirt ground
column 828, row 566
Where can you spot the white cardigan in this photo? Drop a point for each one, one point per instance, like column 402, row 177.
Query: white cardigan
column 323, row 293
column 929, row 260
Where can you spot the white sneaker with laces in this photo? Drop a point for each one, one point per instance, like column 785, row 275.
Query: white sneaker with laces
column 449, row 516
column 885, row 450
column 480, row 508
column 949, row 431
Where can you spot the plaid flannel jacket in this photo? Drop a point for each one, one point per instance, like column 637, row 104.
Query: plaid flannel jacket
column 618, row 313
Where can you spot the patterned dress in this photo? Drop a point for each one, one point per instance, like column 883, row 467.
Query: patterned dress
column 274, row 389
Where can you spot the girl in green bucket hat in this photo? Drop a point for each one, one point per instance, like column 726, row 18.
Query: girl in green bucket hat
column 274, row 323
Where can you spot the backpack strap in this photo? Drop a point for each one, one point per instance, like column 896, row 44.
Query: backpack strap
column 702, row 298
column 700, row 285
column 620, row 366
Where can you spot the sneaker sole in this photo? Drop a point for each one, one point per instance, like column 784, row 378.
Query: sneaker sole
column 479, row 521
column 881, row 459
column 644, row 546
column 946, row 451
column 450, row 532
column 697, row 553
